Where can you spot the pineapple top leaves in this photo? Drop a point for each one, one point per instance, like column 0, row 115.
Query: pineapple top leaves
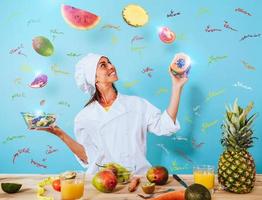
column 237, row 128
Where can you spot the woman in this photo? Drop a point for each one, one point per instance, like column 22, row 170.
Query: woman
column 113, row 127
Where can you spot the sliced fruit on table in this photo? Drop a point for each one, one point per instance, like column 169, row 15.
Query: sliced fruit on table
column 148, row 187
column 135, row 15
column 197, row 192
column 78, row 18
column 11, row 188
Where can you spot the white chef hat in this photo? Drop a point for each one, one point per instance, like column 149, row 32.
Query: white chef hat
column 85, row 73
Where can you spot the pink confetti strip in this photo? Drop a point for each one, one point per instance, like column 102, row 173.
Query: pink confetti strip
column 38, row 165
column 20, row 151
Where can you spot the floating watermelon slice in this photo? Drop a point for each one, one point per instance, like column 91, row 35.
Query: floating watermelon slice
column 79, row 19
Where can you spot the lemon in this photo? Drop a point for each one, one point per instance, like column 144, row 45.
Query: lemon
column 11, row 187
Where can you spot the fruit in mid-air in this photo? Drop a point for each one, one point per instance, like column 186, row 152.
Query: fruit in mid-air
column 43, row 46
column 157, row 175
column 166, row 35
column 236, row 167
column 135, row 15
column 197, row 192
column 78, row 18
column 104, row 181
column 11, row 188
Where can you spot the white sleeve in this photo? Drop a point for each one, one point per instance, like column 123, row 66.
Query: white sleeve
column 92, row 151
column 160, row 123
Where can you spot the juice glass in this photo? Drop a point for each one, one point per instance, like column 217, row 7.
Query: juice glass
column 72, row 188
column 205, row 175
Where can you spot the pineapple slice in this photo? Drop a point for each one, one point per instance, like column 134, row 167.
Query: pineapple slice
column 134, row 15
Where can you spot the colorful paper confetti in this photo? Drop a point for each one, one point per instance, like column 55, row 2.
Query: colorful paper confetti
column 196, row 110
column 18, row 95
column 248, row 66
column 50, row 150
column 64, row 103
column 148, row 71
column 38, row 165
column 114, row 39
column 18, row 81
column 26, row 68
column 19, row 152
column 241, row 85
column 250, row 36
column 242, row 11
column 130, row 84
column 214, row 94
column 207, row 125
column 55, row 33
column 32, row 21
column 161, row 91
column 183, row 154
column 213, row 59
column 226, row 25
column 42, row 102
column 111, row 26
column 12, row 138
column 138, row 49
column 55, row 68
column 136, row 38
column 188, row 119
column 179, row 138
column 209, row 29
column 178, row 167
column 17, row 50
column 162, row 146
column 173, row 13
column 72, row 54
column 197, row 145
column 203, row 11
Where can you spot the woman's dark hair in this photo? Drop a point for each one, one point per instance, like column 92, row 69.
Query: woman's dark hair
column 97, row 96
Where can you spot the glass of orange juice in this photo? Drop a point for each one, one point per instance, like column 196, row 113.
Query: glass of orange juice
column 72, row 185
column 205, row 175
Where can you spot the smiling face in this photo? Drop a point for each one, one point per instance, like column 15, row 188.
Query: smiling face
column 105, row 71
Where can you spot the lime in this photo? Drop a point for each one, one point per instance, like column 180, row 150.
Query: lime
column 148, row 188
column 11, row 187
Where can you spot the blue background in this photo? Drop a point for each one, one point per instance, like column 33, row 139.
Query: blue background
column 212, row 84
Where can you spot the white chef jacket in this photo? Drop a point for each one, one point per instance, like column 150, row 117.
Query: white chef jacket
column 119, row 134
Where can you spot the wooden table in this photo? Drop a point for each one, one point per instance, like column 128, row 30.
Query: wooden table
column 29, row 189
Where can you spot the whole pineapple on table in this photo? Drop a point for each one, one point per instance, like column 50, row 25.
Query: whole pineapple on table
column 236, row 167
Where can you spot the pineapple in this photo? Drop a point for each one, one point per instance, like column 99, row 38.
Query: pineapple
column 134, row 15
column 236, row 167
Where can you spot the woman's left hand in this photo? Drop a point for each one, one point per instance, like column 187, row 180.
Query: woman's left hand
column 178, row 80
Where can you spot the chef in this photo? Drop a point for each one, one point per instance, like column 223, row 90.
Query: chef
column 113, row 127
